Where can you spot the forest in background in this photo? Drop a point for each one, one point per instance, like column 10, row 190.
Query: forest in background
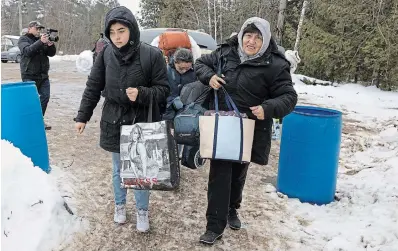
column 341, row 40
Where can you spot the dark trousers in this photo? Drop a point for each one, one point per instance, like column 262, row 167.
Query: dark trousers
column 226, row 182
column 43, row 88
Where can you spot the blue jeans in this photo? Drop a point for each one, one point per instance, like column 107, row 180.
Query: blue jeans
column 43, row 88
column 141, row 196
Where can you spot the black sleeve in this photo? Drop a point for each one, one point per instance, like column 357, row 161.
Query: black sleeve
column 283, row 96
column 29, row 49
column 158, row 86
column 50, row 50
column 92, row 94
column 204, row 66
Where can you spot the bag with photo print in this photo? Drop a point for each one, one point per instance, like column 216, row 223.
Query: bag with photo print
column 149, row 155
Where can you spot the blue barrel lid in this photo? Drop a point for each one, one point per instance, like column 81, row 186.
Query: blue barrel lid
column 316, row 111
column 16, row 84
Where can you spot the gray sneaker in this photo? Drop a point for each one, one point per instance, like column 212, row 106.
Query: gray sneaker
column 142, row 220
column 120, row 214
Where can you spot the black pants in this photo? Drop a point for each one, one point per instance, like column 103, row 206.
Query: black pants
column 43, row 88
column 226, row 182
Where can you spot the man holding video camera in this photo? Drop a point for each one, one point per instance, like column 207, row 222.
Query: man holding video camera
column 36, row 46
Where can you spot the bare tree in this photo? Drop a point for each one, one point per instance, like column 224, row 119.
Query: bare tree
column 221, row 20
column 305, row 4
column 20, row 15
column 280, row 23
column 196, row 14
column 209, row 15
column 215, row 20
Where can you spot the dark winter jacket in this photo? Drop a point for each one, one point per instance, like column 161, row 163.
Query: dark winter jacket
column 264, row 81
column 34, row 61
column 113, row 72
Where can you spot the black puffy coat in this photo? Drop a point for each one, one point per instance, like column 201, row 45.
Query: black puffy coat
column 113, row 73
column 265, row 81
column 34, row 57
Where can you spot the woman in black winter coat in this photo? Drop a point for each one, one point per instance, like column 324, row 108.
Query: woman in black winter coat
column 127, row 86
column 257, row 77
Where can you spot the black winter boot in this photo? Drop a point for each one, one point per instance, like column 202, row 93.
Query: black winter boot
column 233, row 219
column 209, row 237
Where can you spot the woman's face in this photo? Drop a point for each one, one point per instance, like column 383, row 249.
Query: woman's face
column 135, row 135
column 183, row 67
column 252, row 43
column 119, row 34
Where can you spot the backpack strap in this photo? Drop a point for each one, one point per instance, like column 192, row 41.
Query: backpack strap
column 146, row 66
column 145, row 61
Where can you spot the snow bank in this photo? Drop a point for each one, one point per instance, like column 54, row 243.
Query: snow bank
column 58, row 58
column 364, row 102
column 33, row 215
column 364, row 215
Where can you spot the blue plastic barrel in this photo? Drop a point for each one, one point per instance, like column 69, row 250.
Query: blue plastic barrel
column 22, row 121
column 309, row 154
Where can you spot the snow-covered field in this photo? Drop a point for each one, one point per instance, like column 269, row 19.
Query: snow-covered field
column 363, row 217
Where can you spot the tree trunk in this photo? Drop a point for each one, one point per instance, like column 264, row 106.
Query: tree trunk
column 209, row 16
column 280, row 23
column 197, row 16
column 221, row 21
column 215, row 20
column 20, row 15
column 305, row 4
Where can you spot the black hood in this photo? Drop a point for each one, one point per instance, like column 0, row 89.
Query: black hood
column 123, row 15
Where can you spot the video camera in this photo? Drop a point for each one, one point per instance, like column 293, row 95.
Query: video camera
column 52, row 35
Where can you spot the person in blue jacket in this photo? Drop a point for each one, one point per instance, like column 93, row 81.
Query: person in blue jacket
column 179, row 73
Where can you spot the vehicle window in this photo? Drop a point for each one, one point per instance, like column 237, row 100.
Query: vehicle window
column 6, row 44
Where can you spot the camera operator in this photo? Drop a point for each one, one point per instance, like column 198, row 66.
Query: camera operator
column 35, row 49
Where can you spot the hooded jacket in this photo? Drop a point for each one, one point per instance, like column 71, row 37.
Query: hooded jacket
column 264, row 27
column 263, row 80
column 113, row 72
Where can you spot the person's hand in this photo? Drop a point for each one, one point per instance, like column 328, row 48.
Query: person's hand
column 258, row 111
column 44, row 38
column 216, row 81
column 49, row 43
column 80, row 127
column 132, row 93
